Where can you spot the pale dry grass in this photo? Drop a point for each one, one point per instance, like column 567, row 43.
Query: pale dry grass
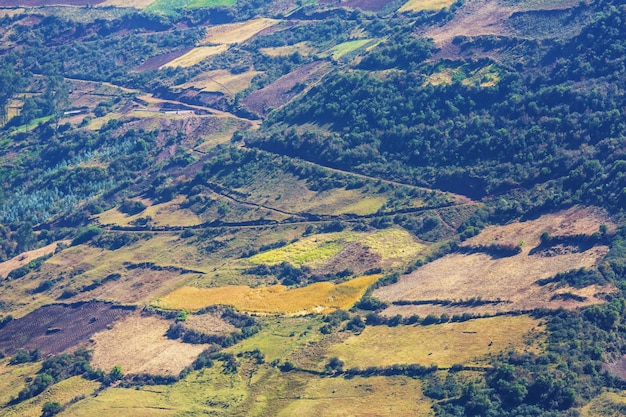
column 196, row 55
column 139, row 345
column 511, row 280
column 376, row 396
column 608, row 404
column 164, row 214
column 208, row 323
column 239, row 32
column 62, row 392
column 466, row 343
column 320, row 297
column 287, row 50
column 136, row 286
column 22, row 259
column 419, row 5
column 221, row 81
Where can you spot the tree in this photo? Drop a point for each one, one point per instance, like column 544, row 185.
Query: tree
column 50, row 409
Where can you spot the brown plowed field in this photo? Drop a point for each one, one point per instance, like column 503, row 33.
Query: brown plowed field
column 58, row 327
column 282, row 90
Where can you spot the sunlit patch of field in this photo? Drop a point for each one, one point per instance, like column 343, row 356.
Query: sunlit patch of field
column 13, row 378
column 238, row 32
column 376, row 396
column 344, row 48
column 320, row 297
column 62, row 392
column 608, row 404
column 207, row 392
column 164, row 214
column 123, row 402
column 280, row 339
column 301, row 47
column 139, row 345
column 394, row 245
column 22, row 259
column 419, row 5
column 508, row 283
column 221, row 81
column 311, row 251
column 92, row 263
column 196, row 55
column 484, row 77
column 222, row 135
column 466, row 343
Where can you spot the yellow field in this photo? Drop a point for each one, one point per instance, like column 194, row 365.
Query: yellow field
column 163, row 214
column 608, row 404
column 209, row 391
column 13, row 378
column 311, row 251
column 139, row 345
column 445, row 344
column 63, row 393
column 196, row 55
column 419, row 5
column 320, row 297
column 239, row 32
column 512, row 280
column 376, row 396
column 221, row 81
column 394, row 245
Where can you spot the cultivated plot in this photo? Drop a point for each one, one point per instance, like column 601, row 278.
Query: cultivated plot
column 481, row 282
column 320, row 297
column 464, row 343
column 139, row 345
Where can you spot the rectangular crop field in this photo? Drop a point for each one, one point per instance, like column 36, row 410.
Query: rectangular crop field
column 240, row 32
column 376, row 396
column 508, row 283
column 196, row 55
column 419, row 5
column 276, row 299
column 445, row 344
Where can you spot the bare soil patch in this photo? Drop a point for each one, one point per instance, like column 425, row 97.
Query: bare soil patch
column 139, row 345
column 474, row 18
column 59, row 327
column 481, row 283
column 284, row 89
